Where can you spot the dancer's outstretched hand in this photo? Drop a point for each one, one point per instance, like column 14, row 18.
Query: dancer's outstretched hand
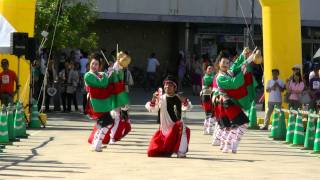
column 246, row 52
column 244, row 68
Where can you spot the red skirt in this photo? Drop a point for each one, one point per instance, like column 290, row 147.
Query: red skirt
column 206, row 103
column 124, row 127
column 89, row 111
column 229, row 113
column 164, row 146
column 106, row 138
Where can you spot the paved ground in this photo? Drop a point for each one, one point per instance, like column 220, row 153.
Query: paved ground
column 60, row 151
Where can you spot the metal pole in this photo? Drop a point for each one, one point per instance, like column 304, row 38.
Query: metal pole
column 252, row 25
column 18, row 79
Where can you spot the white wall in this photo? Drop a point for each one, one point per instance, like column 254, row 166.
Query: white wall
column 206, row 8
column 226, row 8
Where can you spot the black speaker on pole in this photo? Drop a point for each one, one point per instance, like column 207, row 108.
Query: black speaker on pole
column 19, row 41
column 31, row 49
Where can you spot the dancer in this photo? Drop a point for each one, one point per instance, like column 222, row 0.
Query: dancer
column 106, row 92
column 206, row 102
column 232, row 96
column 173, row 136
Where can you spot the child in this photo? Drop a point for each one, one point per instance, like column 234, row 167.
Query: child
column 274, row 87
column 173, row 136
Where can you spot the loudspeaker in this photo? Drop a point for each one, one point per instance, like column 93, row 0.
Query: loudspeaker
column 31, row 49
column 19, row 42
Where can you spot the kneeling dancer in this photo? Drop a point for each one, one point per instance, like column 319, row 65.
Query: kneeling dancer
column 173, row 136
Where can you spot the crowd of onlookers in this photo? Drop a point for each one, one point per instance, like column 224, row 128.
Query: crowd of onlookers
column 64, row 79
column 302, row 90
column 64, row 74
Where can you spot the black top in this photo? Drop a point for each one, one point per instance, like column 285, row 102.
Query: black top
column 173, row 108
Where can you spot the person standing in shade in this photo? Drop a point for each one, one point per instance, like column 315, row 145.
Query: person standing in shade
column 73, row 80
column 153, row 63
column 7, row 80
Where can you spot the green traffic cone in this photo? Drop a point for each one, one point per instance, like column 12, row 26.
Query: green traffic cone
column 10, row 120
column 20, row 123
column 298, row 137
column 4, row 136
column 253, row 116
column 316, row 146
column 290, row 129
column 282, row 127
column 310, row 132
column 34, row 120
column 275, row 124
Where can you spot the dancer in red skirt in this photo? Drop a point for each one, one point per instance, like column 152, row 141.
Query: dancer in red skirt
column 172, row 136
column 232, row 96
column 106, row 92
column 206, row 101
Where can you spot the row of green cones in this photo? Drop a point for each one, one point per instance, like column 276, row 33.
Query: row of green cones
column 13, row 123
column 296, row 133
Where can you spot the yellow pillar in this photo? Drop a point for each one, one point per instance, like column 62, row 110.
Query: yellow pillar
column 281, row 36
column 21, row 15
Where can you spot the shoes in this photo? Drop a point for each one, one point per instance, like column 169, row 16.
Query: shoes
column 226, row 148
column 264, row 128
column 181, row 155
column 235, row 147
column 112, row 141
column 97, row 149
column 216, row 142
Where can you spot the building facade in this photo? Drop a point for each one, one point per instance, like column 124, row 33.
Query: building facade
column 196, row 27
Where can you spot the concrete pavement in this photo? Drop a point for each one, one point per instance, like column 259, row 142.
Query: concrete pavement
column 61, row 151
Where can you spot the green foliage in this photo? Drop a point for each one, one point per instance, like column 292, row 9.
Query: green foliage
column 73, row 23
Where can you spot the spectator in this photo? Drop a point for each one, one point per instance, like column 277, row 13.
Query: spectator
column 73, row 80
column 205, row 62
column 197, row 76
column 274, row 87
column 83, row 64
column 43, row 60
column 37, row 78
column 295, row 69
column 8, row 78
column 63, row 80
column 83, row 90
column 314, row 85
column 51, row 78
column 295, row 87
column 313, row 73
column 128, row 80
column 153, row 63
column 181, row 69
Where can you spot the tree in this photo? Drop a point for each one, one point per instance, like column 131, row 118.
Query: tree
column 73, row 23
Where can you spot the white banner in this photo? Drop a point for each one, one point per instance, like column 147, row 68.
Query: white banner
column 5, row 34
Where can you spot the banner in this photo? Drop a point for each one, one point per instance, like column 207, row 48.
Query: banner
column 17, row 15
